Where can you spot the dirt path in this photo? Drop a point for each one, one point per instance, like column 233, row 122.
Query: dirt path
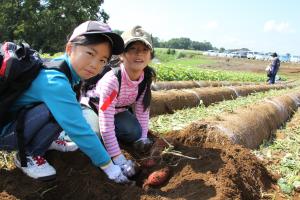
column 243, row 64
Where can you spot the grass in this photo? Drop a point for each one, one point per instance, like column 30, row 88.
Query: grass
column 283, row 155
column 47, row 55
column 185, row 65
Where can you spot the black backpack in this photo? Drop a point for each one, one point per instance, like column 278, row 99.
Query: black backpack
column 91, row 84
column 20, row 65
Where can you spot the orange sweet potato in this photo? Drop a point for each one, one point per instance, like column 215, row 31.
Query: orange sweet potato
column 157, row 177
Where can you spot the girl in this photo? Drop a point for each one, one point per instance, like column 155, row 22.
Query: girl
column 87, row 51
column 116, row 117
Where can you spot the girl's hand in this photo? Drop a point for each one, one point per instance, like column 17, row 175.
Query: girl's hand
column 142, row 145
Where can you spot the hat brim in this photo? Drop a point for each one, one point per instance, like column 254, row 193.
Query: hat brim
column 135, row 39
column 117, row 41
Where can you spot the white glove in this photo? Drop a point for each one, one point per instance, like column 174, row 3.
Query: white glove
column 64, row 136
column 114, row 173
column 127, row 166
column 142, row 144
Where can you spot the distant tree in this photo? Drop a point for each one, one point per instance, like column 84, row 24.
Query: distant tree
column 179, row 43
column 45, row 23
column 222, row 49
column 156, row 42
column 196, row 45
column 244, row 49
column 118, row 32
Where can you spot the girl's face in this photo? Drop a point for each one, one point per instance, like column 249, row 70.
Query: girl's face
column 137, row 57
column 89, row 60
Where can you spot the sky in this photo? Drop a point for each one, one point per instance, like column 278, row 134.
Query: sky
column 259, row 25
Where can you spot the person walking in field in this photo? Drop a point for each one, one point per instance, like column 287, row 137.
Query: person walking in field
column 88, row 50
column 121, row 98
column 273, row 68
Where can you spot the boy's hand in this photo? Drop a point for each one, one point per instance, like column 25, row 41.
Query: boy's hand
column 127, row 166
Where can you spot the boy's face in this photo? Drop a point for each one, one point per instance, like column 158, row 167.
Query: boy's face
column 137, row 56
column 89, row 60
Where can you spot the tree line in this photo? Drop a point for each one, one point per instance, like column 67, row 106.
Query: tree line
column 183, row 43
column 45, row 24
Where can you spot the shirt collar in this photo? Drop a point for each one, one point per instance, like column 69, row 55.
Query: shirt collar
column 75, row 77
column 127, row 79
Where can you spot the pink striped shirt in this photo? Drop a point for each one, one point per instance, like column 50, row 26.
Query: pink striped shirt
column 127, row 96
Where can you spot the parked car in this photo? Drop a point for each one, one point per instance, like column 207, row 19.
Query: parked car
column 237, row 54
column 210, row 53
column 261, row 56
column 251, row 54
column 284, row 58
column 295, row 59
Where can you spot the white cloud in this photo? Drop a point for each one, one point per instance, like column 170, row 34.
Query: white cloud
column 275, row 26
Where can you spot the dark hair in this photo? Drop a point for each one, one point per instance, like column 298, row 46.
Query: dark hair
column 130, row 44
column 274, row 54
column 84, row 40
column 91, row 39
column 149, row 76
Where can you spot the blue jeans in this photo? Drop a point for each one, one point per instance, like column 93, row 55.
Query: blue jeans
column 272, row 79
column 40, row 130
column 127, row 127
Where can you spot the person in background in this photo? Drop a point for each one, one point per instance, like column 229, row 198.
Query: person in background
column 88, row 50
column 274, row 67
column 123, row 114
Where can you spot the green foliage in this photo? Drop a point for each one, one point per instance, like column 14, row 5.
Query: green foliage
column 186, row 43
column 283, row 155
column 181, row 55
column 171, row 51
column 184, row 65
column 184, row 69
column 46, row 24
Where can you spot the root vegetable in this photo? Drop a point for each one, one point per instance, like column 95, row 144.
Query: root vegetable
column 158, row 177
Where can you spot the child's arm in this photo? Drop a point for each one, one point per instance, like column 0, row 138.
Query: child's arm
column 142, row 116
column 105, row 87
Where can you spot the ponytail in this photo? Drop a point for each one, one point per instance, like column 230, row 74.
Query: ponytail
column 149, row 76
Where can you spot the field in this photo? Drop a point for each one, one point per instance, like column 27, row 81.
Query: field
column 221, row 131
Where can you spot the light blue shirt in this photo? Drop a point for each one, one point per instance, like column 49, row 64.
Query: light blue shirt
column 52, row 87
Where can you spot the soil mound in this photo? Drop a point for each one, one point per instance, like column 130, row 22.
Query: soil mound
column 199, row 169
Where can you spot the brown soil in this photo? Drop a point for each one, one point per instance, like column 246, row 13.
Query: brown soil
column 221, row 171
column 164, row 102
column 242, row 64
column 168, row 85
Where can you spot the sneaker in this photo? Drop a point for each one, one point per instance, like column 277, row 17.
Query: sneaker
column 37, row 168
column 63, row 146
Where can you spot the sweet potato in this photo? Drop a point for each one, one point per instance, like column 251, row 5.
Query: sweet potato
column 157, row 178
column 148, row 163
